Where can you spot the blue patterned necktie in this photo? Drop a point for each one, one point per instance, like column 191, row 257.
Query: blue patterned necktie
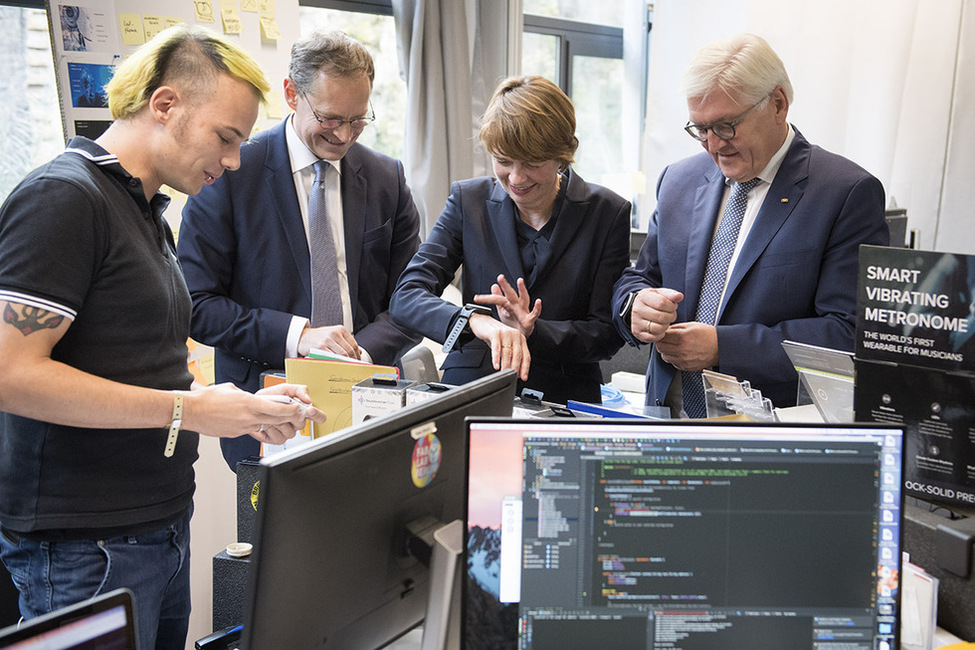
column 722, row 246
column 326, row 301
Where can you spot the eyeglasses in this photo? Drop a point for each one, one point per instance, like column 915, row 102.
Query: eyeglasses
column 721, row 130
column 356, row 123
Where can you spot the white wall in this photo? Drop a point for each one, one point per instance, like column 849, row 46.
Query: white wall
column 214, row 525
column 882, row 82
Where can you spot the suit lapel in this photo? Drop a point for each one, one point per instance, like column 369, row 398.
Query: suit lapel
column 781, row 199
column 706, row 202
column 283, row 204
column 355, row 187
column 501, row 216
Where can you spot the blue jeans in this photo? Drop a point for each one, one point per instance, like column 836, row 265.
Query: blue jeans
column 156, row 567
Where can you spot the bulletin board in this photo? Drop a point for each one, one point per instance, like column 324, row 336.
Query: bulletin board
column 89, row 37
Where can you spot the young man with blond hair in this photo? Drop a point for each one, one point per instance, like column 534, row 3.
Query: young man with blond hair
column 99, row 417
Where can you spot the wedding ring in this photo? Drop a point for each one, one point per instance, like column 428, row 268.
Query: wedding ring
column 648, row 327
column 505, row 347
column 261, row 429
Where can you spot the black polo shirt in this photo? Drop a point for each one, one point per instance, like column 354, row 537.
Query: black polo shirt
column 78, row 238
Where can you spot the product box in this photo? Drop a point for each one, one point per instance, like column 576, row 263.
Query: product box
column 423, row 392
column 377, row 396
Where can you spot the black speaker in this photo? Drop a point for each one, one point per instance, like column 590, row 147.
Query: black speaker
column 942, row 546
column 248, row 493
column 229, row 584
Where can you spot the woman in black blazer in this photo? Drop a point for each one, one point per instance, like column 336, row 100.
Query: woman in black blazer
column 540, row 249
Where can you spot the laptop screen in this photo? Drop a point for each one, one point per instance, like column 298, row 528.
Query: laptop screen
column 105, row 622
column 645, row 534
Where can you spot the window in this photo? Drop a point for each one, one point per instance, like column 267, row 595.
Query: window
column 371, row 23
column 579, row 45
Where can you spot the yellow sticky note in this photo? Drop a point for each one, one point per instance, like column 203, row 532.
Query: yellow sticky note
column 206, row 367
column 203, row 9
column 153, row 25
column 131, row 26
column 265, row 6
column 248, row 5
column 230, row 17
column 269, row 28
column 173, row 20
column 274, row 107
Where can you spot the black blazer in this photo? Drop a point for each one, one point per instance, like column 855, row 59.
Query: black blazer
column 590, row 249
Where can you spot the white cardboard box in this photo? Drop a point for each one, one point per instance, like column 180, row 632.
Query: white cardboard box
column 376, row 396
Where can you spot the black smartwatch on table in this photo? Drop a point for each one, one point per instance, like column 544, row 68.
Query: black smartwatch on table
column 462, row 322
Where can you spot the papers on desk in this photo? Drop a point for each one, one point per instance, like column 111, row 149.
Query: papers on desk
column 919, row 607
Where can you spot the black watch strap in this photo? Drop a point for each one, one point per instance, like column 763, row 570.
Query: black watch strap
column 460, row 325
column 627, row 307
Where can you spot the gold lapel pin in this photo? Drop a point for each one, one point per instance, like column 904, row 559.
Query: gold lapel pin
column 784, row 200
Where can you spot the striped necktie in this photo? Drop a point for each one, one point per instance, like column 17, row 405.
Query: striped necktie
column 326, row 300
column 722, row 246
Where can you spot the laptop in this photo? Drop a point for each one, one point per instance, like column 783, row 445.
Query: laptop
column 105, row 622
column 655, row 534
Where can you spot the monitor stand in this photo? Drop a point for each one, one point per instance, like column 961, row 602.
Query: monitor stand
column 441, row 627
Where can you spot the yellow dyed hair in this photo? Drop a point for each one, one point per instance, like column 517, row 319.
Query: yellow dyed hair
column 186, row 57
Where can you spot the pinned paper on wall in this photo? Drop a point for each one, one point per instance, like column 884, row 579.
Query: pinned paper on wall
column 131, row 28
column 269, row 28
column 230, row 17
column 203, row 11
column 152, row 25
column 266, row 7
column 249, row 5
column 274, row 107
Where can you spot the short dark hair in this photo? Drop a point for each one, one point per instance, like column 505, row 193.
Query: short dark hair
column 334, row 53
column 530, row 119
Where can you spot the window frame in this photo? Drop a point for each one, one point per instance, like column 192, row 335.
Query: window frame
column 576, row 39
column 381, row 7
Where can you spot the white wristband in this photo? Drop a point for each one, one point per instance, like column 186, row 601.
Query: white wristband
column 174, row 427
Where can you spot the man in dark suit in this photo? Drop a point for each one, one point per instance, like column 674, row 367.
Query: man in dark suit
column 792, row 274
column 244, row 242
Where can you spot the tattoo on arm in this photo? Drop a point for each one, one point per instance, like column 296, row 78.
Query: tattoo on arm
column 31, row 319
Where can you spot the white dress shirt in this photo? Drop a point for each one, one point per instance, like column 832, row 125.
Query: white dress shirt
column 303, row 172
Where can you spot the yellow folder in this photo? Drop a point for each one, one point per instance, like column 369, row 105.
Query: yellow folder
column 330, row 386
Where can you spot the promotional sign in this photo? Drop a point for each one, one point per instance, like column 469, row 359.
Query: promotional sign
column 916, row 307
column 915, row 363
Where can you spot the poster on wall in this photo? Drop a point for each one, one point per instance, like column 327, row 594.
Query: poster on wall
column 89, row 37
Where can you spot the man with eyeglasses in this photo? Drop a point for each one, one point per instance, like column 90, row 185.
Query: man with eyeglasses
column 289, row 254
column 753, row 242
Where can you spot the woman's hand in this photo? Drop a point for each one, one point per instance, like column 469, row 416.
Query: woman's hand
column 509, row 349
column 514, row 305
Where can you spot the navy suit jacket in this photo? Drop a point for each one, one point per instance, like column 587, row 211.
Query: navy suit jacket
column 245, row 257
column 590, row 248
column 796, row 275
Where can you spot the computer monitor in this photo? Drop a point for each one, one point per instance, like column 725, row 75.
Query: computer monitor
column 655, row 534
column 330, row 567
column 105, row 622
